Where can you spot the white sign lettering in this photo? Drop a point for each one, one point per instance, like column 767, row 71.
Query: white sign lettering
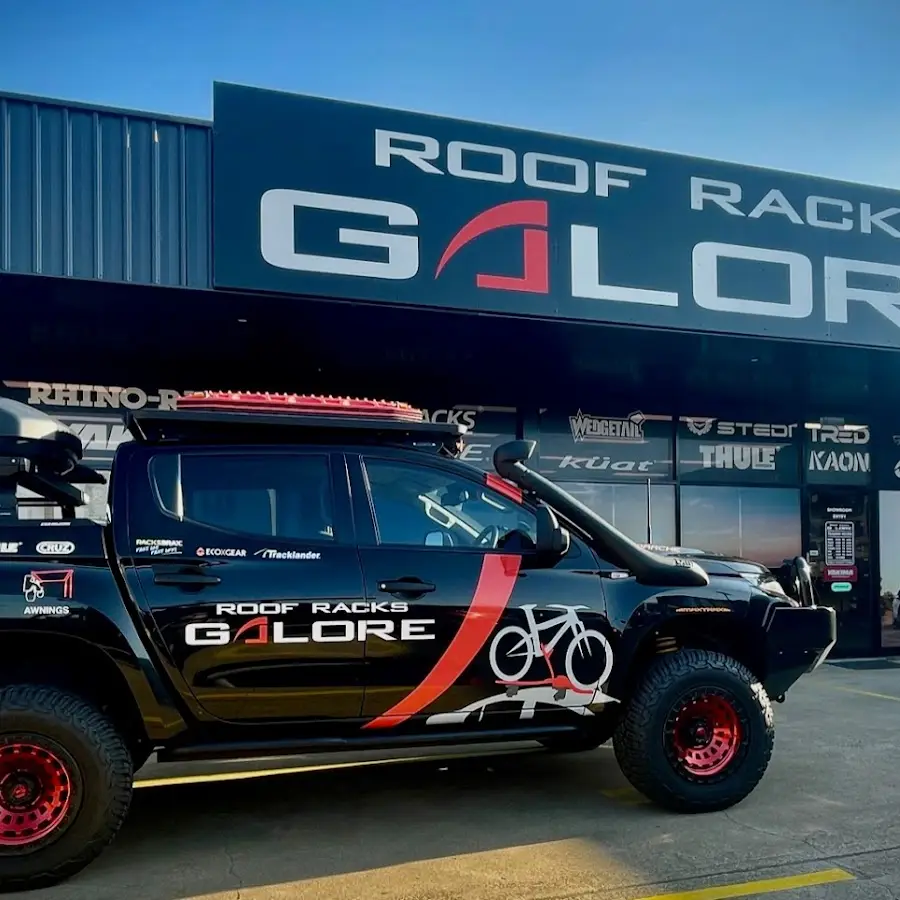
column 819, row 212
column 602, row 463
column 738, row 456
column 279, row 231
column 701, row 427
column 278, row 237
column 97, row 436
column 835, row 461
column 452, row 417
column 836, row 434
column 92, row 396
column 499, row 164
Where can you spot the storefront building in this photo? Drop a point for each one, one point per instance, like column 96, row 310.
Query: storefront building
column 707, row 354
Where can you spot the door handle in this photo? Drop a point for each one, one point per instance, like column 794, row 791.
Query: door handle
column 184, row 577
column 406, row 586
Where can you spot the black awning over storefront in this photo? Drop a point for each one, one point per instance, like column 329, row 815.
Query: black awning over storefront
column 98, row 333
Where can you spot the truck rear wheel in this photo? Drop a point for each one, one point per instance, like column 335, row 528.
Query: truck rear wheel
column 697, row 734
column 65, row 785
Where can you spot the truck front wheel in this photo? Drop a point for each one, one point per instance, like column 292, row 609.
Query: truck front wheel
column 65, row 785
column 697, row 734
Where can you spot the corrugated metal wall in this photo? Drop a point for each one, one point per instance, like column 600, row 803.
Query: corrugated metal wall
column 93, row 193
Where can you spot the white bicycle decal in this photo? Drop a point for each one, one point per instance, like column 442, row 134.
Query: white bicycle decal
column 529, row 648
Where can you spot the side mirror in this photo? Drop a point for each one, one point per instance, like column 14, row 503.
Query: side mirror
column 552, row 539
column 438, row 539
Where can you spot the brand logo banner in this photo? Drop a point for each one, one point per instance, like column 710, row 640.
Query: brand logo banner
column 745, row 452
column 590, row 446
column 334, row 199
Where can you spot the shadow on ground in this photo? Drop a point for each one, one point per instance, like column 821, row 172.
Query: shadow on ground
column 284, row 829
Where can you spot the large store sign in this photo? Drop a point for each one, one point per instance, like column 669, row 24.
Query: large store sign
column 590, row 446
column 320, row 197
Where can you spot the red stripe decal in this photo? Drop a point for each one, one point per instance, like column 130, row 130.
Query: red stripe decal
column 502, row 486
column 492, row 593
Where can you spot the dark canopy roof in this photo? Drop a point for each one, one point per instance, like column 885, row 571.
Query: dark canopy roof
column 69, row 330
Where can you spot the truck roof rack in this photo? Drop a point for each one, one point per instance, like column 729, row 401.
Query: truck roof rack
column 228, row 416
column 43, row 455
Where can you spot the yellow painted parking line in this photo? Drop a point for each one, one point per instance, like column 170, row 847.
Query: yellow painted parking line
column 753, row 888
column 867, row 693
column 296, row 770
column 627, row 795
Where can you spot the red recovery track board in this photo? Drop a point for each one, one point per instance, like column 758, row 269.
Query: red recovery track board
column 308, row 404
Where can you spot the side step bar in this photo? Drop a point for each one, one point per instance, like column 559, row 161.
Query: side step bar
column 294, row 746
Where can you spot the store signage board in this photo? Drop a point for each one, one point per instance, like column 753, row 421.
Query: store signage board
column 333, row 199
column 591, row 445
column 840, row 543
column 744, row 452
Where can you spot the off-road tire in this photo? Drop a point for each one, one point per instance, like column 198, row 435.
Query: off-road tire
column 101, row 782
column 640, row 740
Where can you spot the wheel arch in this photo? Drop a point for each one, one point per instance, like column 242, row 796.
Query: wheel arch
column 729, row 635
column 72, row 664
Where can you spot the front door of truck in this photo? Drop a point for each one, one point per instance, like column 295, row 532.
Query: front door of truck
column 478, row 631
column 247, row 563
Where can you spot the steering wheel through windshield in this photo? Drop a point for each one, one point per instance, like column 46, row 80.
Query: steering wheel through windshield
column 489, row 537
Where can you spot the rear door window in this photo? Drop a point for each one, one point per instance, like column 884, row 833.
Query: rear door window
column 286, row 496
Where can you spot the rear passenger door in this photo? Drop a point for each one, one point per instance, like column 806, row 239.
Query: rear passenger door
column 237, row 552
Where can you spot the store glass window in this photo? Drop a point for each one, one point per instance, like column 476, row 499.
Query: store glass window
column 625, row 506
column 889, row 544
column 487, row 427
column 31, row 506
column 762, row 524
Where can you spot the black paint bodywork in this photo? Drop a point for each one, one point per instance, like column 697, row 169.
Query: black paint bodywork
column 262, row 697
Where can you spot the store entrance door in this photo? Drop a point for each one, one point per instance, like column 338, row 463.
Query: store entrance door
column 839, row 554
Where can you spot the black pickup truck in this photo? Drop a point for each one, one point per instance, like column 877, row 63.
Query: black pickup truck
column 283, row 574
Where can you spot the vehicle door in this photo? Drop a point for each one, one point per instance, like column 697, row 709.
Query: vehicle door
column 241, row 555
column 480, row 629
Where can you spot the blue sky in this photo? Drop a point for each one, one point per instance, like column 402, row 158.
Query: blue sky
column 806, row 85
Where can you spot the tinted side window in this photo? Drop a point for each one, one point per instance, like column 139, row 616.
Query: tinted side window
column 423, row 506
column 273, row 495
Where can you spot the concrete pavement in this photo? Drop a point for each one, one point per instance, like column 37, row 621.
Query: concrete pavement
column 528, row 826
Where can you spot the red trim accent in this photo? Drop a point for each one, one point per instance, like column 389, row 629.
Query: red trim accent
column 261, row 622
column 492, row 593
column 502, row 486
column 516, row 212
column 535, row 278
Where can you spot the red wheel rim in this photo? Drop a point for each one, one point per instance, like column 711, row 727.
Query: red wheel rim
column 35, row 794
column 706, row 735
